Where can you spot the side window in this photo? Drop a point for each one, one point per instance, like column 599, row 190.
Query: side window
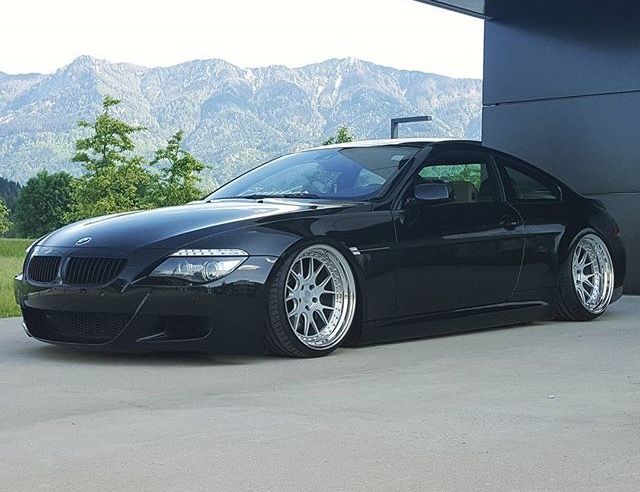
column 469, row 180
column 524, row 185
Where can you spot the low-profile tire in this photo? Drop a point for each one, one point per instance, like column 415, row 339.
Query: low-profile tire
column 312, row 302
column 586, row 280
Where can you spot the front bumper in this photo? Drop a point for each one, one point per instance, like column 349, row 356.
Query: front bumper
column 224, row 316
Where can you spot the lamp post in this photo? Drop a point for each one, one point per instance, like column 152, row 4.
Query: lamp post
column 408, row 119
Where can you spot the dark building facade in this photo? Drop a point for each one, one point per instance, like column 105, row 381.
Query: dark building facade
column 562, row 90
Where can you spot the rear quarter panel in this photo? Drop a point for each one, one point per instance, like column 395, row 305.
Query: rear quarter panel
column 551, row 230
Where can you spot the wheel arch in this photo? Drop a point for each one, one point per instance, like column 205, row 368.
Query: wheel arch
column 355, row 332
column 591, row 218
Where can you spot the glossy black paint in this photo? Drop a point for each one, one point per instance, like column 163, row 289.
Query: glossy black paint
column 421, row 268
column 561, row 90
column 455, row 257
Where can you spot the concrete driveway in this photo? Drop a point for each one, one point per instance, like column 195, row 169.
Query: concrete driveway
column 552, row 406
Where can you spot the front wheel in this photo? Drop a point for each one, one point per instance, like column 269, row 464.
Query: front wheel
column 312, row 302
column 586, row 280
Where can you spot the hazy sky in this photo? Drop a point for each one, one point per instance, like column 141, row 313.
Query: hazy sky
column 42, row 35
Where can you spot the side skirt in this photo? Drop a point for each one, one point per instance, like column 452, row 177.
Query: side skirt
column 470, row 319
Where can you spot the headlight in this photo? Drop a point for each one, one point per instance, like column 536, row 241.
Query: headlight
column 200, row 265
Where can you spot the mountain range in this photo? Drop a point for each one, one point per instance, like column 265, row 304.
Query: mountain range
column 233, row 117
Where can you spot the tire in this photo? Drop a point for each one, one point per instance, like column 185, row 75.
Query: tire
column 312, row 302
column 586, row 280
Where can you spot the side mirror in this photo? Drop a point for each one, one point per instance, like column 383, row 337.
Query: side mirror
column 439, row 192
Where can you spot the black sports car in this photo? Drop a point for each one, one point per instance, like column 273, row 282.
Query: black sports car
column 344, row 244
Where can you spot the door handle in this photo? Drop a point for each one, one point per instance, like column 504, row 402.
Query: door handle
column 509, row 222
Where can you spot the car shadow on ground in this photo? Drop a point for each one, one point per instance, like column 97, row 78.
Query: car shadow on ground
column 451, row 334
column 55, row 353
column 81, row 356
column 615, row 314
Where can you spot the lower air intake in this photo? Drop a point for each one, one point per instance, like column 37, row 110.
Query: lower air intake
column 73, row 327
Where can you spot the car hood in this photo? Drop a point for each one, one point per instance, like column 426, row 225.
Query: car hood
column 176, row 226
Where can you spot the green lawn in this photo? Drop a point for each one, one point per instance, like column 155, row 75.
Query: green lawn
column 11, row 257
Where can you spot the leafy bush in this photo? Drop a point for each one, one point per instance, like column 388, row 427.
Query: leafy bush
column 43, row 204
column 5, row 223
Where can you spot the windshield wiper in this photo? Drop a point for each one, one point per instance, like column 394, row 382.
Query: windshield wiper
column 261, row 196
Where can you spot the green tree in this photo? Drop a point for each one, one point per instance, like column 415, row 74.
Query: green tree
column 115, row 179
column 5, row 223
column 110, row 143
column 110, row 190
column 343, row 135
column 43, row 204
column 179, row 177
column 9, row 191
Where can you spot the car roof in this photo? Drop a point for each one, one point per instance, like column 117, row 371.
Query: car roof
column 394, row 141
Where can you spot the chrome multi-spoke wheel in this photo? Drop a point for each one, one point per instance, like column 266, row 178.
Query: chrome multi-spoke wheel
column 592, row 271
column 320, row 297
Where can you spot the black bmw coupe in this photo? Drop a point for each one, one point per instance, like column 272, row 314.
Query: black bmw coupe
column 346, row 244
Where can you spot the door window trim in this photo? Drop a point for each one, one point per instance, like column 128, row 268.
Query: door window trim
column 528, row 170
column 483, row 155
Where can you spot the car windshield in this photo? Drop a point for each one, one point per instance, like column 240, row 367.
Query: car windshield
column 357, row 172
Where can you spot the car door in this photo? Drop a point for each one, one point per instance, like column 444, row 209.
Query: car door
column 538, row 199
column 462, row 252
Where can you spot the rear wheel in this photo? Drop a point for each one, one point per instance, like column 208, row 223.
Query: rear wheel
column 312, row 302
column 586, row 280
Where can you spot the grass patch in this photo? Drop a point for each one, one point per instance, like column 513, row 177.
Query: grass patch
column 11, row 258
